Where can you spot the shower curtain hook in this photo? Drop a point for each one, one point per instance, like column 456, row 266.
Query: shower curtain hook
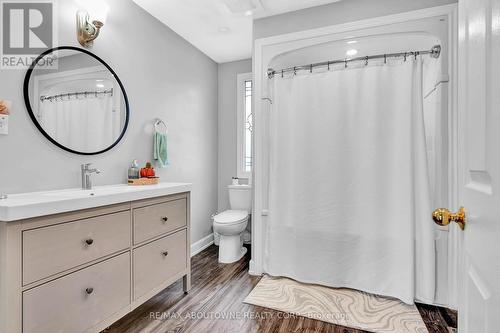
column 311, row 68
column 294, row 70
column 328, row 64
column 281, row 73
column 416, row 54
column 406, row 55
column 385, row 58
column 366, row 61
column 345, row 63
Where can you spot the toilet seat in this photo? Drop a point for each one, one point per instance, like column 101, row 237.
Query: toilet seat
column 230, row 217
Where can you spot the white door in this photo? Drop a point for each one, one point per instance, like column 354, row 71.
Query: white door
column 479, row 167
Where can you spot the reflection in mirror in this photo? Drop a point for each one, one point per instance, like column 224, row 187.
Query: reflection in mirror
column 77, row 102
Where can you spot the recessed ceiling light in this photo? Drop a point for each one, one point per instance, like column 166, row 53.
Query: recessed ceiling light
column 100, row 85
column 351, row 52
column 224, row 29
column 248, row 13
column 352, row 42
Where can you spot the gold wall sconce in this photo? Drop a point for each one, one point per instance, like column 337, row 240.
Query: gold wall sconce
column 87, row 31
column 90, row 21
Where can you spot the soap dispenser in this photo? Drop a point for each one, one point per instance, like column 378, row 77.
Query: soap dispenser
column 133, row 171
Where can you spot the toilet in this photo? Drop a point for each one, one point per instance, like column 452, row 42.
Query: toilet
column 231, row 224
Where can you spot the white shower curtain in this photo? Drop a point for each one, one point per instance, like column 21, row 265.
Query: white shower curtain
column 349, row 202
column 82, row 124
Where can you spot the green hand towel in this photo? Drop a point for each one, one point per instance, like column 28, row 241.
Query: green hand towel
column 160, row 150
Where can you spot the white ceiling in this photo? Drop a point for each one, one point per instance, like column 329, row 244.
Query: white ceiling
column 222, row 29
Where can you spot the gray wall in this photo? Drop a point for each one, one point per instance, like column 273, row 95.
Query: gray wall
column 336, row 13
column 227, row 125
column 164, row 76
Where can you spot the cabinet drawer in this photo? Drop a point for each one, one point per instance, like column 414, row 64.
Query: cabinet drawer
column 65, row 305
column 156, row 262
column 155, row 220
column 53, row 249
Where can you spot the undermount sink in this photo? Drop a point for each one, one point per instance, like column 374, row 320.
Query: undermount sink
column 34, row 204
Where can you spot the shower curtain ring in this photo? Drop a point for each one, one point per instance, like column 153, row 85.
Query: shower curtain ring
column 385, row 58
column 406, row 55
column 294, row 70
column 311, row 68
column 366, row 61
column 345, row 63
column 328, row 64
column 281, row 73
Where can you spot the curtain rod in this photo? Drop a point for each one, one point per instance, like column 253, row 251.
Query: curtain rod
column 435, row 52
column 85, row 94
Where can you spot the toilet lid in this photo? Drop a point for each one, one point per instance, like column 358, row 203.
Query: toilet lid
column 231, row 217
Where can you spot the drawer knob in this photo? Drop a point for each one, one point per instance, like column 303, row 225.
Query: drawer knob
column 164, row 219
column 89, row 291
column 165, row 253
column 89, row 241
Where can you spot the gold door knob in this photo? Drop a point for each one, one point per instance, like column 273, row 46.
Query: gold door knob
column 443, row 216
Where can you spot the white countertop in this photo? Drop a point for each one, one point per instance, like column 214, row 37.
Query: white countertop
column 35, row 204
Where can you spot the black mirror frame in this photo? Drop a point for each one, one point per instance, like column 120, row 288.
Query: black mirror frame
column 34, row 119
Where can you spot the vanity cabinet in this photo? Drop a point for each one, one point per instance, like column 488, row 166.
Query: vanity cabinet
column 81, row 271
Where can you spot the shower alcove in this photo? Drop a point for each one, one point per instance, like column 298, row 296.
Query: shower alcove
column 412, row 31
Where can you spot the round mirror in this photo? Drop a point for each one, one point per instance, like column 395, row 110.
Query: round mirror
column 76, row 100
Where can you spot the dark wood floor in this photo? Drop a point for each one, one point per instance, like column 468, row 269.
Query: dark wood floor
column 218, row 290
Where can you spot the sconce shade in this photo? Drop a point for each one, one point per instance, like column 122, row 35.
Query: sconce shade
column 97, row 9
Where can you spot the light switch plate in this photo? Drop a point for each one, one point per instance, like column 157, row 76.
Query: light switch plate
column 4, row 124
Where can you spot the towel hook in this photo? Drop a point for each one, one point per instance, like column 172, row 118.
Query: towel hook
column 267, row 99
column 159, row 122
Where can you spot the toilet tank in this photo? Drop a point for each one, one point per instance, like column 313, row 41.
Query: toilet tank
column 240, row 197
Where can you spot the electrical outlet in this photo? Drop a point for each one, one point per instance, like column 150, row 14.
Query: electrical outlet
column 4, row 124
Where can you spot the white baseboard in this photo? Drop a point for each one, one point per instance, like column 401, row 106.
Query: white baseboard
column 202, row 244
column 252, row 270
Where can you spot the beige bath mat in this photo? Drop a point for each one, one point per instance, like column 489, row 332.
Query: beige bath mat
column 341, row 306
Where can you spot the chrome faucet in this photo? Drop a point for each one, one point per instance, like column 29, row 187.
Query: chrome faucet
column 86, row 173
